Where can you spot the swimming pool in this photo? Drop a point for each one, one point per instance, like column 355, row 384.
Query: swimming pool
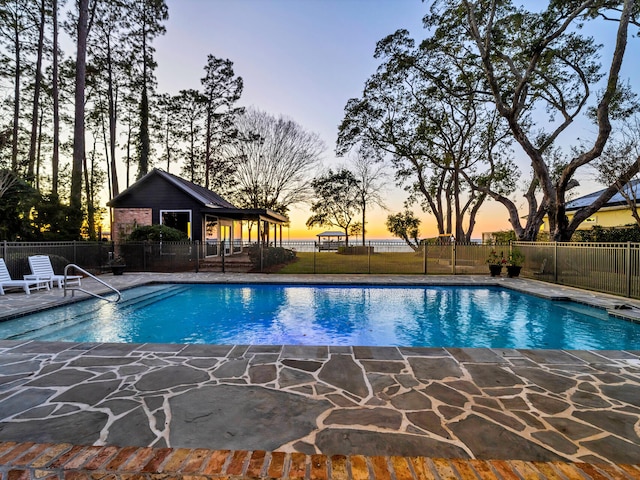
column 331, row 315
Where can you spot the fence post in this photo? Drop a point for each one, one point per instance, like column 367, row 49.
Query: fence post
column 261, row 257
column 4, row 250
column 197, row 255
column 314, row 259
column 369, row 258
column 453, row 258
column 222, row 252
column 628, row 269
column 555, row 262
column 424, row 257
column 75, row 257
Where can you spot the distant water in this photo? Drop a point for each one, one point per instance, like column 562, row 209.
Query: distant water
column 392, row 245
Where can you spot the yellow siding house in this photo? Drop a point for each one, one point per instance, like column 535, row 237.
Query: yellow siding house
column 615, row 213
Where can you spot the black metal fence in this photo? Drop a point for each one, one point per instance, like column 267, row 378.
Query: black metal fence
column 605, row 267
column 88, row 255
column 95, row 257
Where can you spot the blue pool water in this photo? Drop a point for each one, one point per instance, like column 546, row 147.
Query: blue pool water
column 330, row 315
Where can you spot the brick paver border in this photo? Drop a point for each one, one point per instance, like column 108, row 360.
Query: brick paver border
column 26, row 461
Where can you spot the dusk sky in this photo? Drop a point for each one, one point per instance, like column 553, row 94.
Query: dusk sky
column 300, row 58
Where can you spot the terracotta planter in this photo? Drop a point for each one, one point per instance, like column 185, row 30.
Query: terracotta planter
column 513, row 270
column 495, row 270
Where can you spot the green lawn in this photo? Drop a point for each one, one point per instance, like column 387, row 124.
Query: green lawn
column 381, row 263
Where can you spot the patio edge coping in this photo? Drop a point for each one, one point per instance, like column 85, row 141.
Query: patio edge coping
column 77, row 462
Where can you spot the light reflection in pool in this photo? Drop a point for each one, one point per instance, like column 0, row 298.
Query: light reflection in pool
column 332, row 315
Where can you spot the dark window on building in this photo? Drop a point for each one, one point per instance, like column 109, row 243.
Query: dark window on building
column 180, row 220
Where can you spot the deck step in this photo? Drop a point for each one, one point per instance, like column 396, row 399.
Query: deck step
column 227, row 268
column 231, row 264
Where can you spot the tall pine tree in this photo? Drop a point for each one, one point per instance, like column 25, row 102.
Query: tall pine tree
column 147, row 17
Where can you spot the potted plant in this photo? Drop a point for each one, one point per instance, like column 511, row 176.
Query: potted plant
column 495, row 261
column 514, row 263
column 117, row 265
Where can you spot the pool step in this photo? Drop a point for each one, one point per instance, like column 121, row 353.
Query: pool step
column 163, row 292
column 55, row 321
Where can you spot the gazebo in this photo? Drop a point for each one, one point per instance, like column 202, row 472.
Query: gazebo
column 331, row 240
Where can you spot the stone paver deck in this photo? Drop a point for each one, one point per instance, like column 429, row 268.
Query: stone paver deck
column 366, row 407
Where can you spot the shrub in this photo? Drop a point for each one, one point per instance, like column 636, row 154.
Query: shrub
column 504, row 236
column 156, row 233
column 516, row 258
column 270, row 256
column 628, row 233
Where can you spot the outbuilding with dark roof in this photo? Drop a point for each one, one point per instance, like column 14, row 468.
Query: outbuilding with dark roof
column 160, row 198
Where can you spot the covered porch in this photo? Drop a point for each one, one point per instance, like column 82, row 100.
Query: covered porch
column 228, row 231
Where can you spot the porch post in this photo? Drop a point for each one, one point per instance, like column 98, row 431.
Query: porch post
column 259, row 231
column 280, row 234
column 266, row 228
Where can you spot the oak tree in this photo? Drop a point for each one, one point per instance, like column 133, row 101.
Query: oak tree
column 405, row 225
column 539, row 61
column 336, row 201
column 421, row 111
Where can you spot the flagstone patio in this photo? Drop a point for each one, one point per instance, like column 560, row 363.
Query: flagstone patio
column 452, row 403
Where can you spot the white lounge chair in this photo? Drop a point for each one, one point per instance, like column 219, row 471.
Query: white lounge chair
column 27, row 285
column 41, row 269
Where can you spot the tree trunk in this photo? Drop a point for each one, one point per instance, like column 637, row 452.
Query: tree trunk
column 113, row 117
column 16, row 101
column 449, row 214
column 91, row 224
column 192, row 155
column 364, row 216
column 207, row 148
column 143, row 165
column 472, row 217
column 128, row 159
column 459, row 231
column 167, row 146
column 36, row 95
column 39, row 149
column 107, row 155
column 55, row 158
column 75, row 203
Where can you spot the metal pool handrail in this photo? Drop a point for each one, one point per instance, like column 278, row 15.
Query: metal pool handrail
column 74, row 288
